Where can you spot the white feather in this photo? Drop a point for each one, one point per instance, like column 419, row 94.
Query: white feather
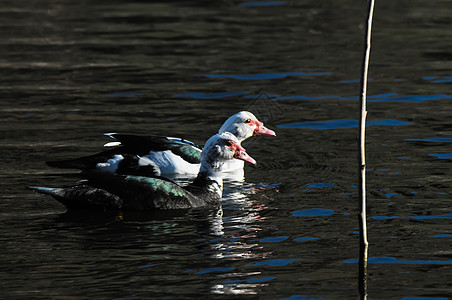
column 111, row 165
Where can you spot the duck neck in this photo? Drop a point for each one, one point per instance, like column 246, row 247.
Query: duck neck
column 209, row 180
column 212, row 173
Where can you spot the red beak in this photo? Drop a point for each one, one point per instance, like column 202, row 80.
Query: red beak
column 262, row 130
column 240, row 153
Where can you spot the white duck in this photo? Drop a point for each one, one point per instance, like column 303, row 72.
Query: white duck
column 156, row 155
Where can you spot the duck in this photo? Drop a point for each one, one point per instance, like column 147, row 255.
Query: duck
column 159, row 155
column 109, row 191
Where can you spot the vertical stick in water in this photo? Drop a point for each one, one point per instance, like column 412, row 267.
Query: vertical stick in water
column 363, row 243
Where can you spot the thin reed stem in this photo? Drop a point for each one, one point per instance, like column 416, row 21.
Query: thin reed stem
column 363, row 242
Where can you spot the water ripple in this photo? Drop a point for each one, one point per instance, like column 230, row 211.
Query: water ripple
column 274, row 262
column 217, row 269
column 443, row 235
column 252, row 280
column 375, row 98
column 263, row 3
column 416, row 98
column 384, row 217
column 274, row 239
column 431, row 140
column 393, row 260
column 304, row 239
column 341, row 124
column 261, row 76
column 441, row 156
column 212, row 95
column 130, row 94
column 424, row 298
column 317, row 185
column 313, row 212
column 431, row 217
column 439, row 79
column 300, row 297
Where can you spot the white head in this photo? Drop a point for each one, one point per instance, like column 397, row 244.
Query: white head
column 244, row 125
column 221, row 148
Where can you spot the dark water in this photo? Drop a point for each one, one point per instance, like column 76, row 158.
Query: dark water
column 73, row 70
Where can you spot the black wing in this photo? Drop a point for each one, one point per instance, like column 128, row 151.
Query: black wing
column 142, row 145
column 82, row 196
column 145, row 193
column 131, row 146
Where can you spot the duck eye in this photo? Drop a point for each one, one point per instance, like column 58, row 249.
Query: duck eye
column 228, row 143
column 247, row 121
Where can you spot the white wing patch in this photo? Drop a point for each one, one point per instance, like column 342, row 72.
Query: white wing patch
column 170, row 163
column 111, row 165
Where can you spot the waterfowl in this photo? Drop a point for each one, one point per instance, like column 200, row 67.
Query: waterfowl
column 157, row 155
column 120, row 192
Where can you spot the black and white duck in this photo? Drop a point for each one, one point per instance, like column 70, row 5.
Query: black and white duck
column 157, row 155
column 121, row 192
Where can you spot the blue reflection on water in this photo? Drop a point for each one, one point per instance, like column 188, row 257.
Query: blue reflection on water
column 340, row 124
column 264, row 75
column 267, row 96
column 212, row 95
column 274, row 262
column 313, row 212
column 384, row 217
column 393, row 260
column 217, row 239
column 424, row 298
column 375, row 98
column 304, row 239
column 317, row 185
column 431, row 217
column 432, row 140
column 436, row 79
column 389, row 195
column 442, row 235
column 218, row 269
column 146, row 266
column 441, row 156
column 274, row 239
column 417, row 98
column 354, row 80
column 311, row 98
column 263, row 3
column 320, row 184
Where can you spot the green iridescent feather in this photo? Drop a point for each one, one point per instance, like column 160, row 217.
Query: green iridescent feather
column 187, row 152
column 157, row 184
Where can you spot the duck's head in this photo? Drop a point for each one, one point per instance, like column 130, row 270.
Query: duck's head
column 221, row 148
column 244, row 125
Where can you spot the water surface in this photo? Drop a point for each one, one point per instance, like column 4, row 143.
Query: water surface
column 74, row 70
